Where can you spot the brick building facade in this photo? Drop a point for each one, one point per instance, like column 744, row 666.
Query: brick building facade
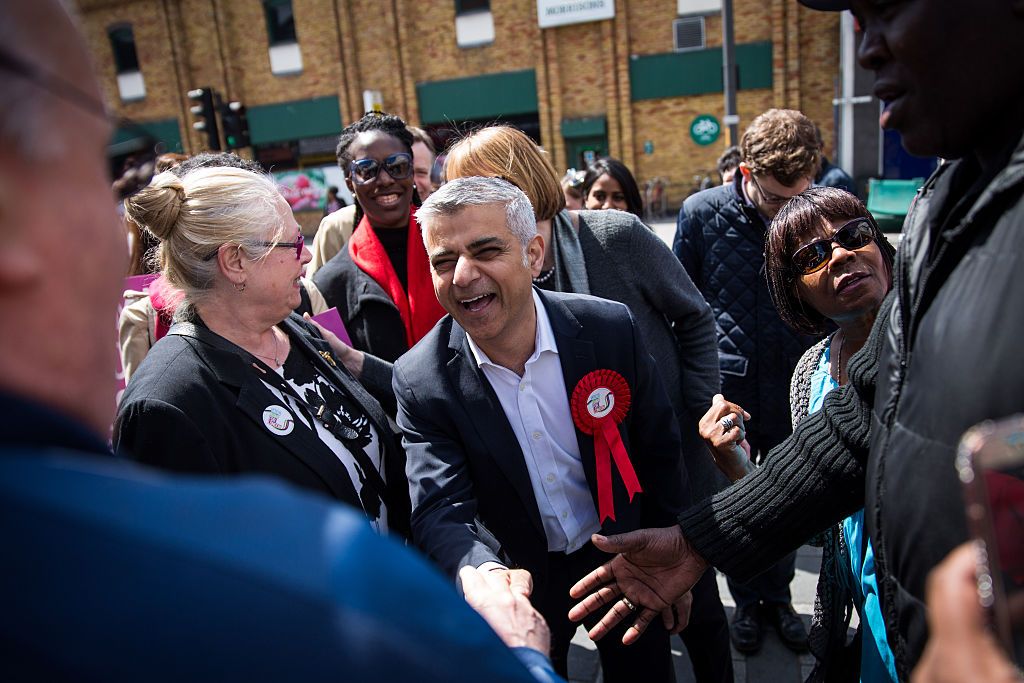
column 615, row 86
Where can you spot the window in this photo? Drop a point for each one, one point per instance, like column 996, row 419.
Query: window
column 285, row 56
column 688, row 33
column 280, row 21
column 474, row 23
column 468, row 6
column 130, row 84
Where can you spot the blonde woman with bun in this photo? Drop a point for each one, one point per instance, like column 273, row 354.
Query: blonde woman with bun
column 613, row 255
column 241, row 384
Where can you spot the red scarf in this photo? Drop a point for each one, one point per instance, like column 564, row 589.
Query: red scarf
column 419, row 309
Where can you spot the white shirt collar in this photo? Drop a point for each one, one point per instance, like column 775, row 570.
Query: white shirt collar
column 544, row 340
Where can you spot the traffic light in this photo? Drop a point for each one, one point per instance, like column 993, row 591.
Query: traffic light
column 236, row 125
column 206, row 116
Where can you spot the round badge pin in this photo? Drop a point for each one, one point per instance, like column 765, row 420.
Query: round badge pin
column 600, row 402
column 278, row 420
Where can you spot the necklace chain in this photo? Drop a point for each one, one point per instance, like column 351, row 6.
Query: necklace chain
column 839, row 361
column 277, row 362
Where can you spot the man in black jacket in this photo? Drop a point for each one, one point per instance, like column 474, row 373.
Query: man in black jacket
column 532, row 419
column 944, row 353
column 720, row 240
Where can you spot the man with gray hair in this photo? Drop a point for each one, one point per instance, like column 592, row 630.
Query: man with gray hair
column 532, row 419
column 118, row 572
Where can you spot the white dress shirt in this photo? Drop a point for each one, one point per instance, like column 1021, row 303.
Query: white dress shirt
column 537, row 408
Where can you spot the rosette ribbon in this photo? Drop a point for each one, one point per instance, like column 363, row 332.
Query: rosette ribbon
column 599, row 403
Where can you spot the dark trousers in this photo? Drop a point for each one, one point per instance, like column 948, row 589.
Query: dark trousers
column 706, row 637
column 773, row 584
column 649, row 659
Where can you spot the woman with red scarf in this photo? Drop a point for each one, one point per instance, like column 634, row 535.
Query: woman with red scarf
column 381, row 282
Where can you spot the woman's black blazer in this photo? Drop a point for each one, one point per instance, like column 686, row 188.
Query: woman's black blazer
column 196, row 404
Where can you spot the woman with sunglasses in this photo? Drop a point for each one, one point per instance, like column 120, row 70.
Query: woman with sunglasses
column 380, row 282
column 241, row 384
column 828, row 265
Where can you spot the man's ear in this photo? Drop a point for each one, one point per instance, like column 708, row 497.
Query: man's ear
column 21, row 263
column 535, row 254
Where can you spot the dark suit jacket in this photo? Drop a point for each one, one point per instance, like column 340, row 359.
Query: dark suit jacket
column 471, row 492
column 194, row 407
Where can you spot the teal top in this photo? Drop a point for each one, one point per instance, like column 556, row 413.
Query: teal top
column 877, row 662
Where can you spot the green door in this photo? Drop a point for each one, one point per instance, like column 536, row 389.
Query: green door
column 581, row 152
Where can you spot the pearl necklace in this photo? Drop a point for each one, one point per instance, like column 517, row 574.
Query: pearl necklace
column 544, row 277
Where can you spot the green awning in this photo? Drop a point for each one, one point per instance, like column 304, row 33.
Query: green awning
column 682, row 74
column 294, row 120
column 478, row 97
column 166, row 131
column 589, row 127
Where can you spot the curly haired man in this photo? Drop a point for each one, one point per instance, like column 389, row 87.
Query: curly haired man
column 720, row 239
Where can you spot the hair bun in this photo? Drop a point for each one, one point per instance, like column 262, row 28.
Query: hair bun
column 157, row 206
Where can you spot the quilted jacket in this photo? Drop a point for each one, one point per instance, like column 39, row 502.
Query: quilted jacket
column 720, row 241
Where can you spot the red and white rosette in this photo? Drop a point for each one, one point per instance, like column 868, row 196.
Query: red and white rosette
column 599, row 403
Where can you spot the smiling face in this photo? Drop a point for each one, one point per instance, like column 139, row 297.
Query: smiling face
column 384, row 200
column 274, row 279
column 606, row 193
column 949, row 73
column 480, row 276
column 852, row 284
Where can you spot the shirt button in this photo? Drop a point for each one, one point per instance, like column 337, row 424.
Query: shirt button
column 564, row 515
column 551, row 477
column 523, row 385
column 536, row 435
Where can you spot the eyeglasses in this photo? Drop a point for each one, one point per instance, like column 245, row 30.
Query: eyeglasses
column 297, row 245
column 812, row 257
column 768, row 197
column 398, row 166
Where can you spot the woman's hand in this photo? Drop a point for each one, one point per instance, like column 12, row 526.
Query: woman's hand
column 351, row 358
column 723, row 432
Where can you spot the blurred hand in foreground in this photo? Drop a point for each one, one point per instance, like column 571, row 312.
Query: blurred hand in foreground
column 502, row 599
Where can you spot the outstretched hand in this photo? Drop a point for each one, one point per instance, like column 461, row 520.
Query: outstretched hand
column 653, row 571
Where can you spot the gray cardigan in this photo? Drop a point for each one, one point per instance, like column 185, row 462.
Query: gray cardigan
column 625, row 261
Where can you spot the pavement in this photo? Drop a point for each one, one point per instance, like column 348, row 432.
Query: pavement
column 774, row 663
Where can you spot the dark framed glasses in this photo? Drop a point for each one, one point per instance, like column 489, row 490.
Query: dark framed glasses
column 297, row 245
column 855, row 234
column 398, row 166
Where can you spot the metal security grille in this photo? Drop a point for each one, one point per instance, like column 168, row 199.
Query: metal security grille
column 688, row 33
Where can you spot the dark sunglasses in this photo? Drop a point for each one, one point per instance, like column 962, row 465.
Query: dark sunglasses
column 855, row 234
column 398, row 166
column 297, row 245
